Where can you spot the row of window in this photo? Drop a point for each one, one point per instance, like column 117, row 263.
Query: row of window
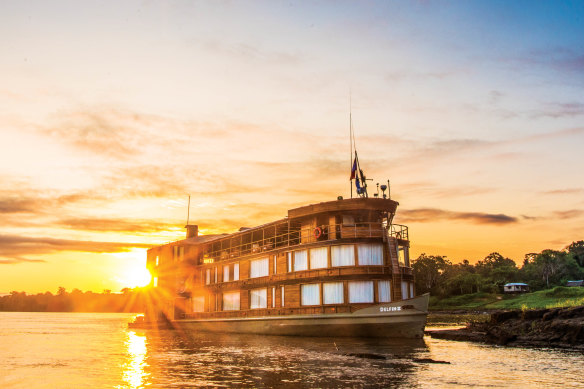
column 327, row 293
column 299, row 260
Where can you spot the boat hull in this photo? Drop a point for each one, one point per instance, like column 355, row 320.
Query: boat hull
column 403, row 319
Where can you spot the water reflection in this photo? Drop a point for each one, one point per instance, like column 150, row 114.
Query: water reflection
column 195, row 360
column 134, row 370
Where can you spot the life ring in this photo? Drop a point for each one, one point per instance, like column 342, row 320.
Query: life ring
column 317, row 232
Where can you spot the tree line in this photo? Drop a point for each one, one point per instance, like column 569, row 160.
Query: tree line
column 130, row 300
column 437, row 275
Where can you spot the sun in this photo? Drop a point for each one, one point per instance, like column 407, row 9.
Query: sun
column 132, row 270
column 137, row 277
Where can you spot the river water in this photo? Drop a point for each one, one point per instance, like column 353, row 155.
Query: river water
column 81, row 350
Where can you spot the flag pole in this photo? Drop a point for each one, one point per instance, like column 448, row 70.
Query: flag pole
column 350, row 145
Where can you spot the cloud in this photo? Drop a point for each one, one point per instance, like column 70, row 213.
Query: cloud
column 559, row 110
column 567, row 191
column 434, row 190
column 15, row 246
column 11, row 205
column 16, row 260
column 424, row 215
column 569, row 214
column 115, row 225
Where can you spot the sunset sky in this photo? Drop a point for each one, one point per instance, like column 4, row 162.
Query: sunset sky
column 111, row 113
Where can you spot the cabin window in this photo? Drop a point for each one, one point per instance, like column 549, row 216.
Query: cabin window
column 405, row 290
column 273, row 297
column 275, row 257
column 226, row 273
column 348, row 220
column 370, row 254
column 236, row 271
column 310, row 294
column 215, row 274
column 361, row 292
column 343, row 255
column 174, row 253
column 411, row 290
column 289, row 256
column 300, row 260
column 259, row 298
column 155, row 282
column 157, row 260
column 384, row 291
column 318, row 258
column 199, row 304
column 333, row 293
column 208, row 276
column 282, row 302
column 231, row 301
column 259, row 268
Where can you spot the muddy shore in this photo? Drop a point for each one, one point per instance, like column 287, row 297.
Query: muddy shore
column 556, row 327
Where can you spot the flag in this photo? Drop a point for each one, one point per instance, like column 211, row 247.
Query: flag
column 354, row 168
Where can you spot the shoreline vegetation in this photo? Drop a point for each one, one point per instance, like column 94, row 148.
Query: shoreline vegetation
column 480, row 286
column 128, row 300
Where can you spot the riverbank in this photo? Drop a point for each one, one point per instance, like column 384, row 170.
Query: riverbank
column 554, row 327
column 558, row 297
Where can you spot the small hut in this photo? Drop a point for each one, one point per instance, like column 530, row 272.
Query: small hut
column 575, row 283
column 515, row 287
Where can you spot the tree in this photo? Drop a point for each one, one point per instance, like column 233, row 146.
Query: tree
column 428, row 271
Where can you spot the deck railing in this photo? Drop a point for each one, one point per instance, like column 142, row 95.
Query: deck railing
column 296, row 235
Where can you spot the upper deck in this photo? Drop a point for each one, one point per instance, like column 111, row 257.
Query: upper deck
column 350, row 219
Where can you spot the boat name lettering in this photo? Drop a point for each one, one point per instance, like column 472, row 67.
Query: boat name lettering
column 389, row 309
column 208, row 260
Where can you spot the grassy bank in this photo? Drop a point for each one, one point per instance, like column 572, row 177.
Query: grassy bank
column 550, row 298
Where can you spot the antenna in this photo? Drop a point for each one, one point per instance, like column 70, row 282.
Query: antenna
column 189, row 210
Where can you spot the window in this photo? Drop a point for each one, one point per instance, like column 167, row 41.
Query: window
column 411, row 290
column 199, row 304
column 348, row 220
column 226, row 273
column 300, row 260
column 259, row 268
column 343, row 255
column 231, row 301
column 273, row 297
column 333, row 293
column 401, row 257
column 259, row 298
column 178, row 253
column 289, row 256
column 370, row 254
column 404, row 290
column 157, row 260
column 155, row 282
column 384, row 291
column 236, row 271
column 282, row 302
column 275, row 264
column 318, row 258
column 361, row 292
column 208, row 276
column 310, row 294
column 215, row 274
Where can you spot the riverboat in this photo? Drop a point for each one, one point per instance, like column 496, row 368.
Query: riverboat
column 336, row 268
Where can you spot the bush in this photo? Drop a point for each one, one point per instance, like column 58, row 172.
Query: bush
column 564, row 291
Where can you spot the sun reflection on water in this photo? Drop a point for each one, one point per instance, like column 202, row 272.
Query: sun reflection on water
column 134, row 369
